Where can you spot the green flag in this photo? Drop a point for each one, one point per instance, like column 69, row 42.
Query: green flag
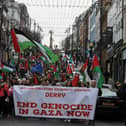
column 44, row 60
column 83, row 69
column 98, row 73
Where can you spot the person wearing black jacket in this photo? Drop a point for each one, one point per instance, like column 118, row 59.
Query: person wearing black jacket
column 94, row 85
column 122, row 94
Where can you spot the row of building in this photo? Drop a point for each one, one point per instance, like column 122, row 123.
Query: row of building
column 101, row 30
column 15, row 15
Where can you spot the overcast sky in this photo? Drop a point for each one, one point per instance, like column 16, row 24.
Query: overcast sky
column 55, row 15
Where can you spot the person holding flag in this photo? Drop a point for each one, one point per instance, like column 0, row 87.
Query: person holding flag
column 97, row 73
column 69, row 70
column 71, row 62
column 83, row 70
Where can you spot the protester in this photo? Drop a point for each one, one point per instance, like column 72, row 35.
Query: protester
column 69, row 83
column 118, row 85
column 11, row 102
column 122, row 94
column 24, row 81
column 82, row 84
column 75, row 80
column 45, row 82
column 94, row 85
column 14, row 81
column 3, row 98
column 27, row 82
column 48, row 77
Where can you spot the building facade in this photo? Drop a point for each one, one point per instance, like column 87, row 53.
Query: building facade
column 110, row 47
column 3, row 30
column 13, row 15
column 118, row 42
column 124, row 39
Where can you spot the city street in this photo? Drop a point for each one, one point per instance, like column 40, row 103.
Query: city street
column 62, row 59
column 55, row 122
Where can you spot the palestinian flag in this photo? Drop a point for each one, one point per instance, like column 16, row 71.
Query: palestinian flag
column 97, row 73
column 65, row 57
column 71, row 62
column 83, row 69
column 57, row 73
column 35, row 79
column 25, row 42
column 42, row 50
column 21, row 58
column 44, row 60
column 7, row 68
column 15, row 41
column 50, row 55
column 53, row 57
column 32, row 60
column 20, row 41
column 69, row 70
column 53, row 68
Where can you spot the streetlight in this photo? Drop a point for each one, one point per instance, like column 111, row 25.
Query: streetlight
column 91, row 46
column 51, row 39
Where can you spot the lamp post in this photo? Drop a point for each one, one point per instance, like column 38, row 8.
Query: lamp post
column 91, row 46
column 34, row 28
column 91, row 49
column 51, row 39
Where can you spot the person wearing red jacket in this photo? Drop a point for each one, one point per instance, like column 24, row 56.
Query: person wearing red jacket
column 3, row 96
column 75, row 81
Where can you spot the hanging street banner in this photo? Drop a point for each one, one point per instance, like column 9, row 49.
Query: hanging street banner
column 55, row 102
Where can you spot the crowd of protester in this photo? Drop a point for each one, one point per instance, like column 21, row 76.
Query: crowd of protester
column 52, row 75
